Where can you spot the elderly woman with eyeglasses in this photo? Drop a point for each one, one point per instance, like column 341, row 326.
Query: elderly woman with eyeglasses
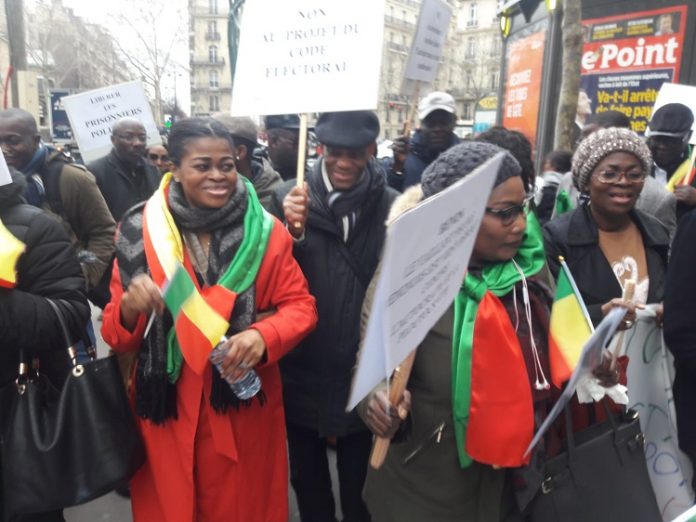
column 607, row 242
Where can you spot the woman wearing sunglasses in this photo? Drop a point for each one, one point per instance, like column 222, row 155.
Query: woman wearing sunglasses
column 480, row 381
column 607, row 242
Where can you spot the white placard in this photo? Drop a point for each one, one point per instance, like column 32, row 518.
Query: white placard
column 304, row 56
column 650, row 376
column 93, row 113
column 5, row 178
column 426, row 255
column 429, row 41
column 678, row 93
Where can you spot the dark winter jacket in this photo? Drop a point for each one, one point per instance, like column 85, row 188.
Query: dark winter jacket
column 48, row 269
column 574, row 236
column 317, row 374
column 77, row 203
column 265, row 180
column 680, row 292
column 123, row 186
column 417, row 160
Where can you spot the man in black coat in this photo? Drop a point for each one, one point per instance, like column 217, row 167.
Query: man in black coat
column 124, row 177
column 338, row 222
column 680, row 332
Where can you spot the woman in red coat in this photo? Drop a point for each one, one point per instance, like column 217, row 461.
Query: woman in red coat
column 210, row 456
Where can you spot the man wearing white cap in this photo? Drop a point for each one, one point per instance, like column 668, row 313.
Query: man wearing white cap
column 436, row 113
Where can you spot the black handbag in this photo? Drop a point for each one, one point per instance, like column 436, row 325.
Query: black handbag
column 63, row 447
column 601, row 477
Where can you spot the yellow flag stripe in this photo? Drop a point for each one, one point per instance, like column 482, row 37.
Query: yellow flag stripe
column 207, row 320
column 569, row 328
column 164, row 233
column 11, row 249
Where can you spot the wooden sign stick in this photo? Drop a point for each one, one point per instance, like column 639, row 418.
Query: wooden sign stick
column 302, row 150
column 413, row 109
column 301, row 155
column 397, row 387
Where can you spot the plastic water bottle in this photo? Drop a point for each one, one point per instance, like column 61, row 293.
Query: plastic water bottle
column 247, row 386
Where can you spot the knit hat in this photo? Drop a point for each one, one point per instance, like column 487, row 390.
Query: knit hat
column 599, row 145
column 459, row 161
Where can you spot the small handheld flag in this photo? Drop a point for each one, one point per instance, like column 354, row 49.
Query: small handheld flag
column 570, row 327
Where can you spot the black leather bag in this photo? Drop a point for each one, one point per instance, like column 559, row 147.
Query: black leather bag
column 601, row 477
column 63, row 447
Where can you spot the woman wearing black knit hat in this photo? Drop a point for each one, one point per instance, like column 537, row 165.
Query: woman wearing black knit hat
column 461, row 428
column 607, row 242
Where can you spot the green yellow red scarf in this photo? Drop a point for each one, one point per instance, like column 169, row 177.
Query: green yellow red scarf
column 492, row 398
column 201, row 316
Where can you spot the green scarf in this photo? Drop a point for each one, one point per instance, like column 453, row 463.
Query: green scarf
column 499, row 279
column 563, row 202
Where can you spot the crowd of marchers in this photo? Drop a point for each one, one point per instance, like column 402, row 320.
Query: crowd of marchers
column 619, row 208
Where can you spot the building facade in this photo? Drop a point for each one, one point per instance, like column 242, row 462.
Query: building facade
column 469, row 68
column 211, row 78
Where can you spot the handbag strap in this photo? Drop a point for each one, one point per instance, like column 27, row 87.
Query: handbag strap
column 70, row 346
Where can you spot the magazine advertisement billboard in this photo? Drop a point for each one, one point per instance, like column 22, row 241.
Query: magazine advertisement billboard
column 525, row 61
column 627, row 58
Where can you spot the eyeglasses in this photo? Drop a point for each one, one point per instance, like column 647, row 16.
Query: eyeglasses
column 508, row 216
column 157, row 157
column 132, row 137
column 612, row 176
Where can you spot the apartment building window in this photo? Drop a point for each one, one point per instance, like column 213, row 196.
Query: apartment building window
column 214, row 103
column 467, row 113
column 212, row 27
column 473, row 15
column 213, row 79
column 213, row 6
column 495, row 79
column 213, row 54
column 470, row 47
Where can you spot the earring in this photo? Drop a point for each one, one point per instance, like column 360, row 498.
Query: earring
column 237, row 158
column 176, row 180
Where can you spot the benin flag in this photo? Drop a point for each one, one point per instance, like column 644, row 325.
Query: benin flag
column 198, row 325
column 11, row 249
column 569, row 330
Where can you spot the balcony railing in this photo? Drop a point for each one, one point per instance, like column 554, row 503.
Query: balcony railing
column 397, row 47
column 212, row 36
column 208, row 87
column 219, row 62
column 397, row 22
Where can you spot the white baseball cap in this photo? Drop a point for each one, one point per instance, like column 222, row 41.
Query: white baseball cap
column 435, row 101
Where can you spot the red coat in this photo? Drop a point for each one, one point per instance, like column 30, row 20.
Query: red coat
column 209, row 467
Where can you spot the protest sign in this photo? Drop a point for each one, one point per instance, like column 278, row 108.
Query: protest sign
column 525, row 60
column 93, row 113
column 627, row 58
column 5, row 178
column 687, row 516
column 650, row 375
column 429, row 41
column 676, row 93
column 590, row 358
column 426, row 255
column 310, row 56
